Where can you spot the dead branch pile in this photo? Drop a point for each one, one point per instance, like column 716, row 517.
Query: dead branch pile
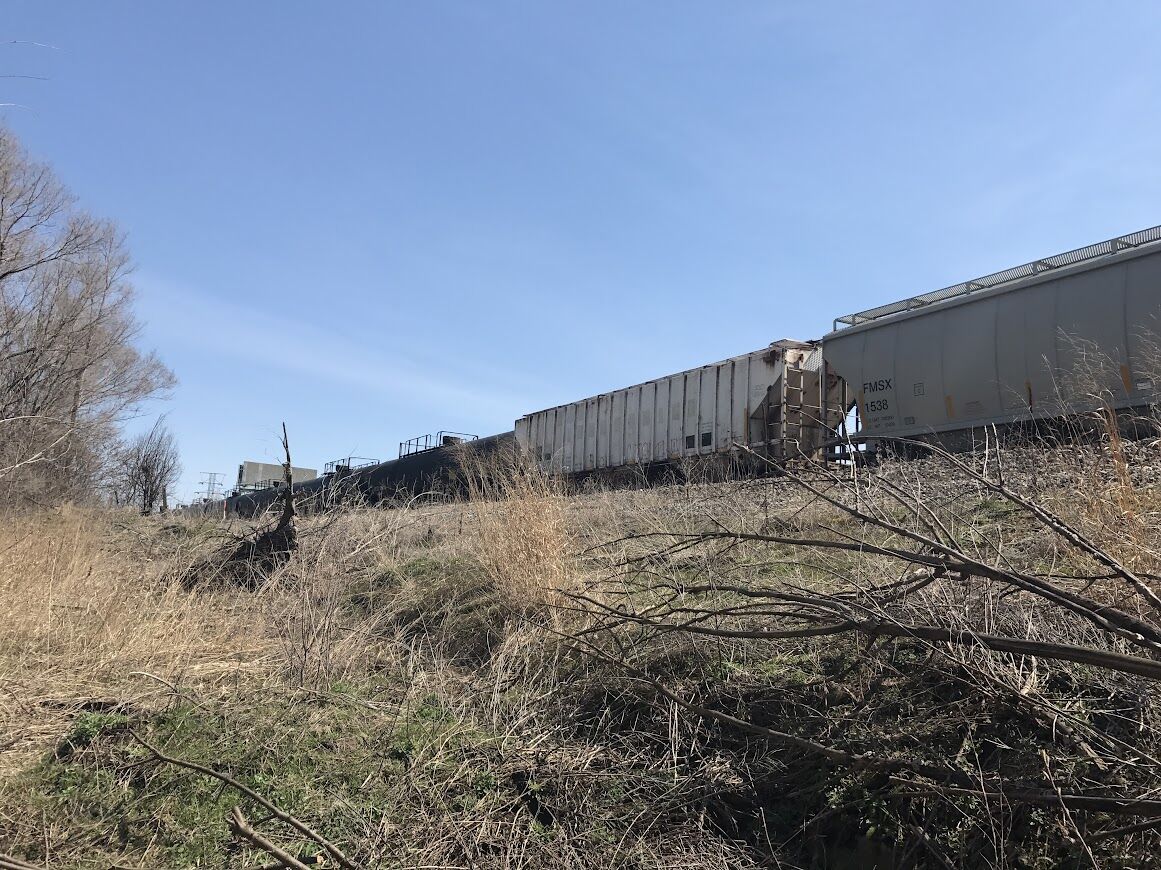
column 250, row 559
column 1013, row 664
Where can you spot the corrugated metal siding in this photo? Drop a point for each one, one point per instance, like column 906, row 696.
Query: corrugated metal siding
column 1037, row 349
column 693, row 413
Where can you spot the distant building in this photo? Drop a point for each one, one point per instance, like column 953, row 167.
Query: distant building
column 259, row 475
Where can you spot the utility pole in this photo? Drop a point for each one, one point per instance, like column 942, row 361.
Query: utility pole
column 211, row 482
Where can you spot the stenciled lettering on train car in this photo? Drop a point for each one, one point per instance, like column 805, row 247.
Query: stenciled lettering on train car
column 877, row 398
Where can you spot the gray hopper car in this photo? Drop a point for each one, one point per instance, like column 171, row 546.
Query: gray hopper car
column 1034, row 342
column 769, row 400
column 1063, row 334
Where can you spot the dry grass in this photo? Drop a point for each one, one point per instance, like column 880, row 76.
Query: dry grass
column 523, row 536
column 85, row 614
column 406, row 682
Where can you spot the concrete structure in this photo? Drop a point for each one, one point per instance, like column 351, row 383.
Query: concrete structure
column 1035, row 341
column 768, row 400
column 252, row 474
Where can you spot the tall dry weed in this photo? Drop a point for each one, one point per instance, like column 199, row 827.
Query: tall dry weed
column 308, row 602
column 1106, row 500
column 524, row 539
column 86, row 615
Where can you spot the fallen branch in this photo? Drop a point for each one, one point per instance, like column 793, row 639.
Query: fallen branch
column 1057, row 524
column 8, row 862
column 1126, row 830
column 944, row 779
column 1040, row 797
column 1112, row 661
column 1104, row 617
column 277, row 812
column 251, row 560
column 241, row 829
column 1144, row 634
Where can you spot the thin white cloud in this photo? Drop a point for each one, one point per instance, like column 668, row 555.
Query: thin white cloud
column 260, row 337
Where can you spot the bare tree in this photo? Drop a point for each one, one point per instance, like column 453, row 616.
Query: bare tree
column 148, row 468
column 69, row 370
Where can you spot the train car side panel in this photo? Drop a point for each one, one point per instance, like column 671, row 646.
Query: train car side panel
column 1038, row 346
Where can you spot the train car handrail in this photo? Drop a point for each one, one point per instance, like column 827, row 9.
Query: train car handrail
column 1005, row 276
column 347, row 464
column 430, row 441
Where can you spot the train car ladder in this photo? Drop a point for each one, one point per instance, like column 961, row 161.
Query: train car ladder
column 799, row 414
column 790, row 430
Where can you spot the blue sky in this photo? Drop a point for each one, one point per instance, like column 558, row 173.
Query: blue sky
column 376, row 219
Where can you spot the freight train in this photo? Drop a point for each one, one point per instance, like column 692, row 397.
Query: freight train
column 437, row 469
column 1032, row 343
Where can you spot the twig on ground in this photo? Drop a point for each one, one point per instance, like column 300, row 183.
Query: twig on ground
column 8, row 862
column 241, row 829
column 276, row 811
column 945, row 780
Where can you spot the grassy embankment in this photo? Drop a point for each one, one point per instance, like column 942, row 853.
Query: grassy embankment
column 484, row 684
